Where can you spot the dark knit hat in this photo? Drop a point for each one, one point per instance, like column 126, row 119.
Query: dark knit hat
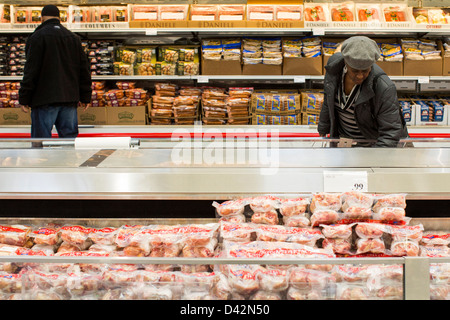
column 360, row 52
column 50, row 10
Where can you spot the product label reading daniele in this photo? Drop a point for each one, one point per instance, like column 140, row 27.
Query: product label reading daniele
column 342, row 181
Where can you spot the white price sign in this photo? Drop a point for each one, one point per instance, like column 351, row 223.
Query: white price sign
column 343, row 181
column 202, row 79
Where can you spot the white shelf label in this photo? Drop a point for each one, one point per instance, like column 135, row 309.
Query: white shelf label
column 202, row 79
column 300, row 79
column 151, row 32
column 343, row 181
column 423, row 80
column 318, row 31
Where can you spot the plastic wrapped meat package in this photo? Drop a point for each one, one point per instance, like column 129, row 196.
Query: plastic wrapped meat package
column 231, row 12
column 316, row 12
column 368, row 12
column 238, row 232
column 261, row 12
column 389, row 200
column 342, row 12
column 144, row 12
column 14, row 235
column 264, row 209
column 324, row 200
column 304, row 236
column 173, row 12
column 204, row 12
column 435, row 238
column 289, row 12
column 431, row 15
column 324, row 216
column 394, row 13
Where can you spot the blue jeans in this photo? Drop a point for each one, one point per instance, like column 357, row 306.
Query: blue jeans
column 64, row 118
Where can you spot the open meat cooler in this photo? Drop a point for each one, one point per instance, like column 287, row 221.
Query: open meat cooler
column 206, row 216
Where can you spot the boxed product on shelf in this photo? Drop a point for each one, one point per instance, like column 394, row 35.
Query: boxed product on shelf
column 422, row 57
column 283, row 15
column 302, row 56
column 178, row 60
column 262, row 56
column 101, row 57
column 408, row 110
column 311, row 101
column 275, row 108
column 391, row 56
column 203, row 12
column 316, row 14
column 143, row 12
column 173, row 12
column 231, row 12
column 330, row 46
column 430, row 110
column 446, row 57
column 221, row 56
column 98, row 16
column 10, row 111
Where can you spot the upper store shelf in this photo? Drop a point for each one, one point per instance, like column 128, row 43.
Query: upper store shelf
column 290, row 18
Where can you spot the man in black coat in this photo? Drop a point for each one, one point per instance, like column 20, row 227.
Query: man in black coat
column 360, row 100
column 56, row 78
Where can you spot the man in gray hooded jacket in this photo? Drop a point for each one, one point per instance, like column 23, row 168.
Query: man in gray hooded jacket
column 360, row 99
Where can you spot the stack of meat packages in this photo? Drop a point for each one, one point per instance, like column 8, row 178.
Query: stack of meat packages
column 9, row 94
column 222, row 107
column 125, row 95
column 170, row 105
column 12, row 55
column 101, row 57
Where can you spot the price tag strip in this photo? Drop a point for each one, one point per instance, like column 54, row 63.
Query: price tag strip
column 343, row 181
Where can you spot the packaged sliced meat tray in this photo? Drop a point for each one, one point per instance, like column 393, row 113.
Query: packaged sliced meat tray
column 260, row 12
column 394, row 13
column 324, row 216
column 342, row 12
column 323, row 200
column 316, row 11
column 231, row 12
column 144, row 12
column 289, row 12
column 368, row 12
column 203, row 12
column 173, row 12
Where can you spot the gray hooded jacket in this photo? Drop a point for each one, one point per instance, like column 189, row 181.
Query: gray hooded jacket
column 377, row 109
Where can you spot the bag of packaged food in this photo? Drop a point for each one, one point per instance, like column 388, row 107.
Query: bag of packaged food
column 435, row 238
column 357, row 213
column 323, row 200
column 341, row 231
column 76, row 235
column 46, row 235
column 105, row 235
column 401, row 233
column 405, row 248
column 324, row 216
column 265, row 217
column 243, row 232
column 356, row 199
column 296, row 221
column 390, row 214
column 273, row 279
column 291, row 207
column 230, row 207
column 370, row 245
column 369, row 230
column 302, row 278
column 390, row 200
column 15, row 235
column 338, row 245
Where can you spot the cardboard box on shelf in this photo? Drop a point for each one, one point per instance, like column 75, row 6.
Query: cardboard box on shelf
column 14, row 116
column 303, row 66
column 391, row 68
column 221, row 67
column 431, row 67
column 446, row 66
column 312, row 101
column 127, row 115
column 262, row 69
column 92, row 116
column 326, row 43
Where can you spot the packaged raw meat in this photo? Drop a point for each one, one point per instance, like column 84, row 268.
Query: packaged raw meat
column 81, row 14
column 324, row 200
column 301, row 294
column 14, row 235
column 243, row 278
column 400, row 233
column 143, row 12
column 316, row 12
column 435, row 251
column 304, row 236
column 347, row 273
column 46, row 235
column 264, row 203
column 341, row 231
column 293, row 207
column 302, row 278
column 390, row 214
column 351, row 292
column 342, row 11
column 370, row 245
column 266, row 295
column 370, row 230
column 76, row 235
column 405, row 248
column 231, row 207
column 296, row 221
column 390, row 200
column 46, row 249
column 324, row 216
column 272, row 279
column 395, row 13
column 338, row 245
column 356, row 199
column 105, row 235
column 239, row 218
column 243, row 232
column 203, row 12
column 357, row 213
column 265, row 217
column 435, row 238
column 368, row 12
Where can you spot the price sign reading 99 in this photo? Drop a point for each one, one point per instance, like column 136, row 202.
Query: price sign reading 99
column 342, row 181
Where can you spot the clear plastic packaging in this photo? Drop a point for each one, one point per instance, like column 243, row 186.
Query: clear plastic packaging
column 370, row 230
column 341, row 231
column 296, row 221
column 324, row 216
column 293, row 207
column 390, row 200
column 230, row 208
column 370, row 245
column 330, row 201
column 405, row 248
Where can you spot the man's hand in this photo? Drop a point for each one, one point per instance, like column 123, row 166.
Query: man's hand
column 85, row 106
column 25, row 108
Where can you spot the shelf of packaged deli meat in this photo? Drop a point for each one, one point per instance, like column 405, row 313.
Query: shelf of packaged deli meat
column 206, row 169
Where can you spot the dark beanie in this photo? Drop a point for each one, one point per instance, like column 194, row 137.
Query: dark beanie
column 50, row 10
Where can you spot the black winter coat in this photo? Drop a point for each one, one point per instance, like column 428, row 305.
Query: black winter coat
column 377, row 109
column 56, row 69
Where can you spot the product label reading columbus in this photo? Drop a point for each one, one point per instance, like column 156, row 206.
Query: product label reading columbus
column 343, row 181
